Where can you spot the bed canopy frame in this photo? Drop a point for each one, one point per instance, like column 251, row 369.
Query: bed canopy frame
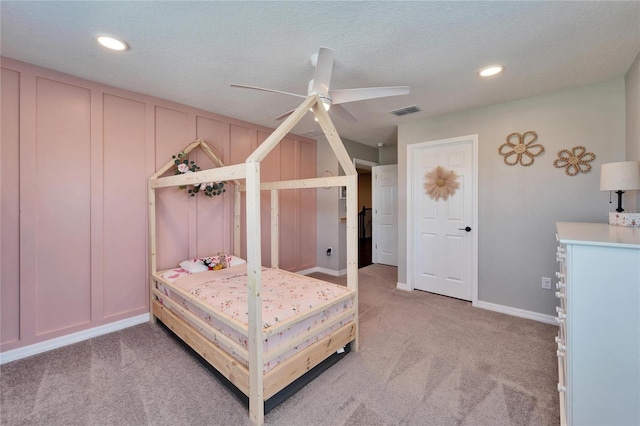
column 250, row 171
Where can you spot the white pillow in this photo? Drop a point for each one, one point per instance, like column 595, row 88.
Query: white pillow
column 193, row 266
column 231, row 260
column 235, row 261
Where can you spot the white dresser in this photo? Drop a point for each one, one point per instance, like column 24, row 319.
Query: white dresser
column 599, row 324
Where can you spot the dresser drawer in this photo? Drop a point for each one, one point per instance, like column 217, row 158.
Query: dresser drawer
column 561, row 291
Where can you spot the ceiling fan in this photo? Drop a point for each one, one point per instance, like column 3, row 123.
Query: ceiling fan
column 331, row 99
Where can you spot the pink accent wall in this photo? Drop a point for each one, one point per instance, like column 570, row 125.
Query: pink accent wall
column 124, row 185
column 244, row 143
column 75, row 160
column 289, row 213
column 215, row 214
column 269, row 172
column 63, row 206
column 307, row 161
column 10, row 211
column 171, row 130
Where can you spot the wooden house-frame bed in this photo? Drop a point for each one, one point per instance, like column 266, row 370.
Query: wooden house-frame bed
column 251, row 379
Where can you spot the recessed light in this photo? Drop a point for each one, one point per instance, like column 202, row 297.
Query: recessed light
column 112, row 43
column 491, row 70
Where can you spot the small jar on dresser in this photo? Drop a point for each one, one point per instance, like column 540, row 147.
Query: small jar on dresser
column 599, row 324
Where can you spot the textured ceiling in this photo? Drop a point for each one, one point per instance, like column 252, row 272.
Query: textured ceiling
column 189, row 52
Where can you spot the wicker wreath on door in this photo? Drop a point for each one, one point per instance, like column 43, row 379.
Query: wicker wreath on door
column 441, row 183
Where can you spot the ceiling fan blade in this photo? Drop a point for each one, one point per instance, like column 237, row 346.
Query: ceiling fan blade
column 322, row 76
column 285, row 115
column 243, row 86
column 352, row 95
column 340, row 112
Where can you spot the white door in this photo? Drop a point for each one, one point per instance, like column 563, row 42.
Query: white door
column 385, row 214
column 442, row 233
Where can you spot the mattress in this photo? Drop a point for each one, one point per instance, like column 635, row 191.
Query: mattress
column 321, row 306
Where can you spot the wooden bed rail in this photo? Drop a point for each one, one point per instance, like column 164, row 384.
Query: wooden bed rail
column 309, row 183
column 234, row 172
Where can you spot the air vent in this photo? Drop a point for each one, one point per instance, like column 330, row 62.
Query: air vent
column 313, row 133
column 406, row 110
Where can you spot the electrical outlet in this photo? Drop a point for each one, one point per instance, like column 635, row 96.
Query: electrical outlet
column 546, row 283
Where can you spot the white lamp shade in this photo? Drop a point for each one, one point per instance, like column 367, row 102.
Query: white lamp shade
column 621, row 176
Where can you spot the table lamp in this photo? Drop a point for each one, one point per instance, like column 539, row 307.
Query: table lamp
column 620, row 177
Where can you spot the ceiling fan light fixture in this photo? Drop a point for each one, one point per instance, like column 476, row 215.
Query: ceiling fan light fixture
column 491, row 70
column 326, row 103
column 112, row 43
column 320, row 85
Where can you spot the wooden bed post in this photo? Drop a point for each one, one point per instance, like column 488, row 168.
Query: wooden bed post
column 254, row 276
column 152, row 249
column 237, row 208
column 275, row 229
column 352, row 245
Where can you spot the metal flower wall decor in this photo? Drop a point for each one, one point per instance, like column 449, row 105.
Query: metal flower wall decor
column 441, row 183
column 520, row 148
column 575, row 161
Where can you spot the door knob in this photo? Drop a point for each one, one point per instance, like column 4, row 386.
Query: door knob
column 468, row 229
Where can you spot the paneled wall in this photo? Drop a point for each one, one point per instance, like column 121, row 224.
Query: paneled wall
column 75, row 159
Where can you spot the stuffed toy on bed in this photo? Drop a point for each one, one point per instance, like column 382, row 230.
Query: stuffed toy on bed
column 216, row 262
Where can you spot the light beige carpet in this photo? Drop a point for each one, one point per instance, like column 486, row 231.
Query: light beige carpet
column 424, row 360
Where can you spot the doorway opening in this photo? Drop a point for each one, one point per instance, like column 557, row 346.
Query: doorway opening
column 365, row 223
column 365, row 209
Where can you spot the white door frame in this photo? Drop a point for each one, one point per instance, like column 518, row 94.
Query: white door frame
column 410, row 221
column 364, row 164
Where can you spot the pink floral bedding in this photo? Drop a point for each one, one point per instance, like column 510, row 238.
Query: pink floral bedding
column 284, row 295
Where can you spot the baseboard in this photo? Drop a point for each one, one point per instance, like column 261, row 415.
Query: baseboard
column 331, row 272
column 403, row 286
column 58, row 342
column 516, row 312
